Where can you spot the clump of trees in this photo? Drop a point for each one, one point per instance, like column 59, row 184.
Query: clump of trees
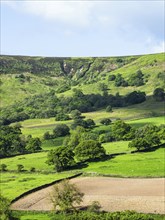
column 12, row 142
column 49, row 105
column 89, row 150
column 136, row 79
column 120, row 81
column 80, row 146
column 61, row 158
column 147, row 137
column 122, row 131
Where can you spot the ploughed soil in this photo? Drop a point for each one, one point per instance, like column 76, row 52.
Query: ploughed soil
column 113, row 194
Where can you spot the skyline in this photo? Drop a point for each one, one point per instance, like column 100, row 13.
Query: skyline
column 82, row 28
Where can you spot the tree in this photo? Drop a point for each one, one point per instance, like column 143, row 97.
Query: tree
column 5, row 213
column 106, row 121
column 121, row 130
column 135, row 97
column 33, row 145
column 75, row 114
column 90, row 123
column 159, row 94
column 61, row 130
column 62, row 158
column 139, row 143
column 136, row 79
column 79, row 122
column 102, row 87
column 65, row 196
column 47, row 135
column 89, row 150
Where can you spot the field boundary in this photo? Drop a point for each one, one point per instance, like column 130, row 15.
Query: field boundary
column 42, row 187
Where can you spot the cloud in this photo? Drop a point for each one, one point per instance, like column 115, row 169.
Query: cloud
column 74, row 13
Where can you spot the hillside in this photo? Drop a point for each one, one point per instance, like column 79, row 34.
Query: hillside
column 22, row 77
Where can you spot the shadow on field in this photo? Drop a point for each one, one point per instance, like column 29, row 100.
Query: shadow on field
column 152, row 149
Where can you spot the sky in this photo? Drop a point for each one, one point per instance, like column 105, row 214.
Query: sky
column 82, row 28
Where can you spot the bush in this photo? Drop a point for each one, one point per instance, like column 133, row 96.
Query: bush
column 20, row 168
column 106, row 121
column 32, row 169
column 3, row 167
column 111, row 78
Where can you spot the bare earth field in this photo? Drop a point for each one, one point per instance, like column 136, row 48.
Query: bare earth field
column 114, row 194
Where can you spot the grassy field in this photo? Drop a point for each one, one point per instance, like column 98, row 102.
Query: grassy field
column 36, row 160
column 149, row 164
column 145, row 112
column 117, row 147
column 14, row 184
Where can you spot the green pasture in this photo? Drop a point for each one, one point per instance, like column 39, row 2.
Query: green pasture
column 14, row 184
column 37, row 127
column 13, row 90
column 117, row 147
column 143, row 164
column 144, row 112
column 147, row 109
column 149, row 164
column 36, row 160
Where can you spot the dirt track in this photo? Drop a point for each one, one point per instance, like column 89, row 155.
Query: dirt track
column 114, row 194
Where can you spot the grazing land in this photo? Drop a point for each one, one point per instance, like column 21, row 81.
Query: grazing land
column 62, row 116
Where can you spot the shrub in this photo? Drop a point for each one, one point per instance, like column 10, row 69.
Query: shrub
column 111, row 78
column 3, row 167
column 20, row 167
column 106, row 121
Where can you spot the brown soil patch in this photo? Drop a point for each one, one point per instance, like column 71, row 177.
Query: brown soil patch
column 114, row 194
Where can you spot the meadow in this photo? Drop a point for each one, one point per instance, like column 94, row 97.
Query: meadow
column 14, row 184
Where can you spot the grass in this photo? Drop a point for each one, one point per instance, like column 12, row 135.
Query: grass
column 37, row 160
column 52, row 143
column 117, row 147
column 149, row 164
column 14, row 184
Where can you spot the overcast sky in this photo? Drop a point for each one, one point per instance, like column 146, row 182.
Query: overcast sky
column 82, row 27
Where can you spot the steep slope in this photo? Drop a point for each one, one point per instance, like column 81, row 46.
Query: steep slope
column 22, row 77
